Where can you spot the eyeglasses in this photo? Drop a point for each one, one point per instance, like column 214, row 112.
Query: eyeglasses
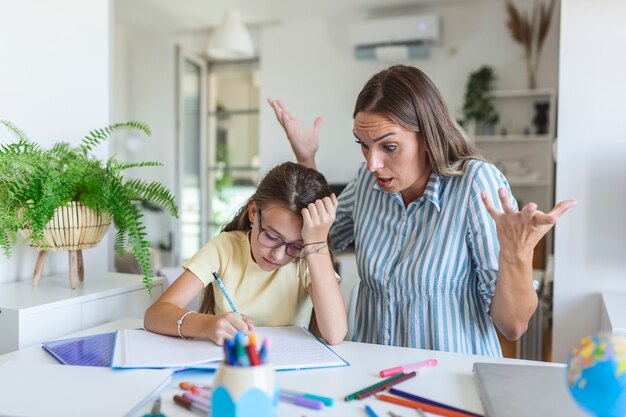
column 270, row 241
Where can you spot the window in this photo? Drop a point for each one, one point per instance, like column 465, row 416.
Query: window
column 233, row 138
column 218, row 146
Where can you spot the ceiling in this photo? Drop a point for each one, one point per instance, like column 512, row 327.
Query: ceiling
column 188, row 15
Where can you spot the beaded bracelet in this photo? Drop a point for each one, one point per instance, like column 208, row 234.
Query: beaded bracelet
column 179, row 323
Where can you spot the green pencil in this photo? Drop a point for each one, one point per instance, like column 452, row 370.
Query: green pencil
column 383, row 382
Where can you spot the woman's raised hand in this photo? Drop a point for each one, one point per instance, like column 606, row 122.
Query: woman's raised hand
column 520, row 231
column 304, row 141
column 317, row 218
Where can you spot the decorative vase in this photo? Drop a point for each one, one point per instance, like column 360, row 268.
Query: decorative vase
column 72, row 228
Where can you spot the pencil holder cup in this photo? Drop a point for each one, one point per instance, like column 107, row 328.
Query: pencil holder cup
column 244, row 391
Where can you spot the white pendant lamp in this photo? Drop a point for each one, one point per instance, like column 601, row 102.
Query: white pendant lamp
column 231, row 39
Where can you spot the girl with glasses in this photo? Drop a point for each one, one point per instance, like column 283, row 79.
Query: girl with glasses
column 274, row 261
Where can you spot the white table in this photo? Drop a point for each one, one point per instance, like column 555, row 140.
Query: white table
column 450, row 382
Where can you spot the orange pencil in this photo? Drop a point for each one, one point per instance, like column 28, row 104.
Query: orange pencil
column 426, row 407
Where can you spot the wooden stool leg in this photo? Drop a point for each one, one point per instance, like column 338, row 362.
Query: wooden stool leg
column 81, row 268
column 73, row 269
column 41, row 260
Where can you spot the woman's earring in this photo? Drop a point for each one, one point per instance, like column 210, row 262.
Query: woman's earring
column 251, row 225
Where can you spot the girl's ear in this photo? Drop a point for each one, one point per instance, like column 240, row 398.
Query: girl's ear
column 251, row 210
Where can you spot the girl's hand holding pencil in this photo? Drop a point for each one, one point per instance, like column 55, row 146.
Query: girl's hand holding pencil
column 226, row 326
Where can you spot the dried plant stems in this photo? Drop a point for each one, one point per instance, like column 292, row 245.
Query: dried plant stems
column 530, row 32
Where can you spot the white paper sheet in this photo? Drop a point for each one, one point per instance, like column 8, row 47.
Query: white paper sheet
column 41, row 389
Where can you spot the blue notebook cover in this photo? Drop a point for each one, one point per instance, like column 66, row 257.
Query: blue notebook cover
column 95, row 350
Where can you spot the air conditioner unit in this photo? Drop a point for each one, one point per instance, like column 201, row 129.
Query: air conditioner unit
column 396, row 38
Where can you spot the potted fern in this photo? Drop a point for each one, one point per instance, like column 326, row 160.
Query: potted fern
column 64, row 198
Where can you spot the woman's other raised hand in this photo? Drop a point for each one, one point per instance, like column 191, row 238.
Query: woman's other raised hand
column 303, row 140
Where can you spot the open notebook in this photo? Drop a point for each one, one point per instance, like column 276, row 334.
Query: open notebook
column 292, row 348
column 524, row 391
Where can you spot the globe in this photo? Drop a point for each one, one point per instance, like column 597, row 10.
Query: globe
column 596, row 374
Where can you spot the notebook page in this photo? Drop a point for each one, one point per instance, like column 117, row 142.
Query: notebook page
column 294, row 347
column 144, row 349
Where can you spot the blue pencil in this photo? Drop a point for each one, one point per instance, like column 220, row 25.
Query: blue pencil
column 230, row 301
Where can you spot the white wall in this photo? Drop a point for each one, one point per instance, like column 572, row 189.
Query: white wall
column 590, row 245
column 309, row 65
column 54, row 84
column 144, row 90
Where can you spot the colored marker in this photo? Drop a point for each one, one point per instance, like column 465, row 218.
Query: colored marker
column 240, row 350
column 370, row 412
column 229, row 350
column 264, row 348
column 188, row 385
column 252, row 339
column 407, row 368
column 301, row 401
column 205, row 402
column 327, row 401
column 230, row 301
column 190, row 405
column 200, row 392
column 253, row 355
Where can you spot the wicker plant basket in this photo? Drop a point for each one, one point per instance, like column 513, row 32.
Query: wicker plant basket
column 72, row 228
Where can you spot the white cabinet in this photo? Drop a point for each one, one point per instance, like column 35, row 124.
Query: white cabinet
column 613, row 315
column 30, row 315
column 521, row 150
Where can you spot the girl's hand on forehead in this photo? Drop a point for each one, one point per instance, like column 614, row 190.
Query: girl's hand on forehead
column 317, row 218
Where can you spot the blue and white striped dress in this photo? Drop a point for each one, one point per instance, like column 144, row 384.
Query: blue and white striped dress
column 428, row 271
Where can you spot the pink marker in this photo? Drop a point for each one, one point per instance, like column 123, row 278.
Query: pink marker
column 408, row 368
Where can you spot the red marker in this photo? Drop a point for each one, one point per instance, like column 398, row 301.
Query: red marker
column 253, row 355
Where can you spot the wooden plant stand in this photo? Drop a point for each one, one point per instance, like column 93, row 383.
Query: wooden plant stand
column 72, row 228
column 77, row 270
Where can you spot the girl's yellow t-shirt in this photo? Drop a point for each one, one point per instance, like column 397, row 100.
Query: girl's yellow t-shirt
column 275, row 298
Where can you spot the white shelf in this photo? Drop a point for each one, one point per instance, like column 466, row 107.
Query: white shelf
column 526, row 160
column 30, row 315
column 512, row 138
column 538, row 92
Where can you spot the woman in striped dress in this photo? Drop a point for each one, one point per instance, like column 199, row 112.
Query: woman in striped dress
column 443, row 254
